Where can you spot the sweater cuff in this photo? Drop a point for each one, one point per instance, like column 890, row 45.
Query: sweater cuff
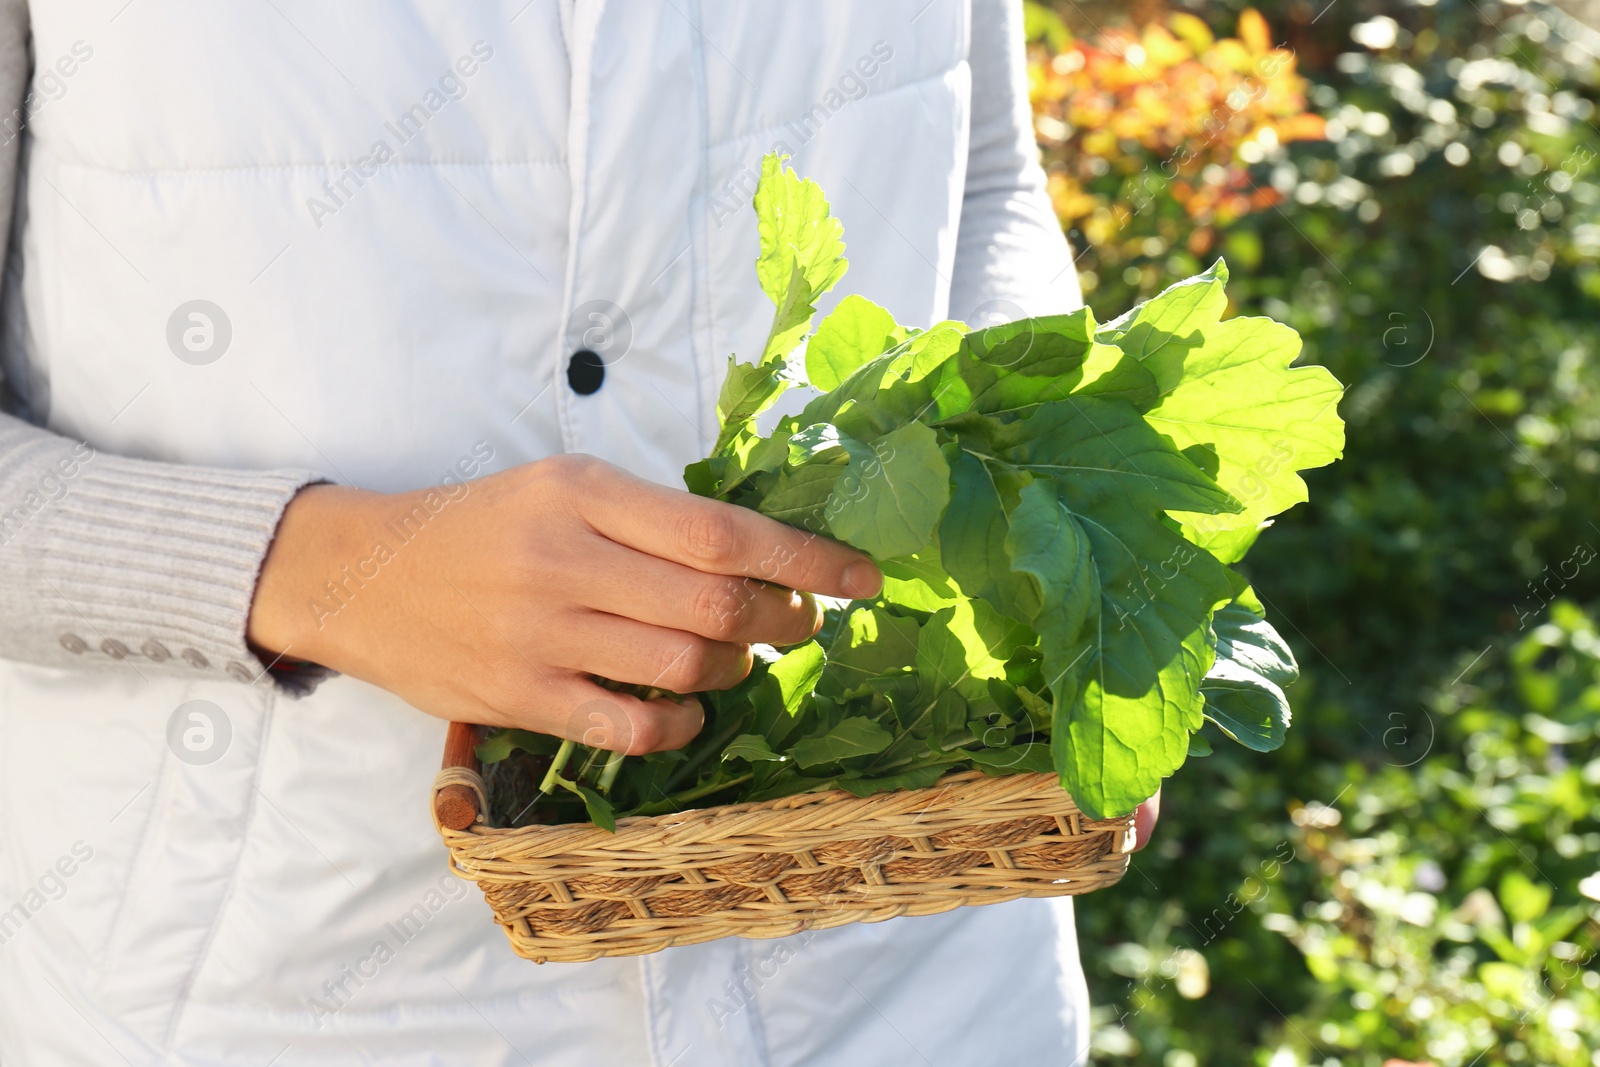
column 133, row 564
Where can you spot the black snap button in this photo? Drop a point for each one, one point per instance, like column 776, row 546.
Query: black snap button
column 585, row 372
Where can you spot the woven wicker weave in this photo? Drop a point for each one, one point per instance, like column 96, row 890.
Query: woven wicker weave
column 574, row 892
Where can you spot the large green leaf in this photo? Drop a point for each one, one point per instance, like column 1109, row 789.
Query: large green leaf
column 1014, row 367
column 1128, row 725
column 1160, row 332
column 1095, row 447
column 1264, row 419
column 852, row 737
column 889, row 505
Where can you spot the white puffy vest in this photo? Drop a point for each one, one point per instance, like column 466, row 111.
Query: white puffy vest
column 403, row 219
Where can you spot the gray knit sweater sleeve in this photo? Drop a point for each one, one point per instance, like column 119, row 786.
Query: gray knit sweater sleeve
column 114, row 563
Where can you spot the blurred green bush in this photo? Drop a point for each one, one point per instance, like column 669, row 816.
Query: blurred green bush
column 1414, row 876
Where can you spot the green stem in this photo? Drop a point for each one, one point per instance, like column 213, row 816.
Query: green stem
column 609, row 774
column 562, row 755
column 588, row 764
column 713, row 787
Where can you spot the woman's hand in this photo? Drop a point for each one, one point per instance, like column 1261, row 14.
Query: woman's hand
column 498, row 601
column 1144, row 821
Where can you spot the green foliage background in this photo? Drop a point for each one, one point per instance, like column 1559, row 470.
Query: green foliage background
column 1414, row 876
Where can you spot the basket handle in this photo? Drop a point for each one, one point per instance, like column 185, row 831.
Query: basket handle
column 458, row 794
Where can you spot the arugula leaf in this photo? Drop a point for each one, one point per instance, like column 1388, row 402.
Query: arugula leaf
column 871, row 644
column 747, row 391
column 802, row 256
column 1032, row 757
column 826, row 442
column 972, row 537
column 1244, row 636
column 923, row 352
column 962, row 646
column 1047, row 543
column 1247, row 706
column 852, row 737
column 1244, row 689
column 802, row 251
column 918, row 581
column 889, row 505
column 920, row 778
column 856, row 331
column 1096, row 448
column 598, row 808
column 704, row 477
column 1264, row 419
column 799, row 495
column 500, row 744
column 1160, row 332
column 1146, row 655
column 797, row 673
column 751, row 747
column 1014, row 366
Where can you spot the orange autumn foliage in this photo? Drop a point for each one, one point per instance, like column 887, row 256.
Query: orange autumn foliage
column 1168, row 109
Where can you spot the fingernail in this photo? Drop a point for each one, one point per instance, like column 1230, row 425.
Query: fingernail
column 862, row 580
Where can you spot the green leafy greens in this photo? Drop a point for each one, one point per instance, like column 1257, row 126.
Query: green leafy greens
column 1056, row 505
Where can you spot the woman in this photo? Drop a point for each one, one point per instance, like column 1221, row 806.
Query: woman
column 308, row 312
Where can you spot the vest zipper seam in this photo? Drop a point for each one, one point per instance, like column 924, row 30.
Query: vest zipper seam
column 702, row 346
column 585, row 36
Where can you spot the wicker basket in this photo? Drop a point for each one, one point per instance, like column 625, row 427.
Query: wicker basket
column 574, row 892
